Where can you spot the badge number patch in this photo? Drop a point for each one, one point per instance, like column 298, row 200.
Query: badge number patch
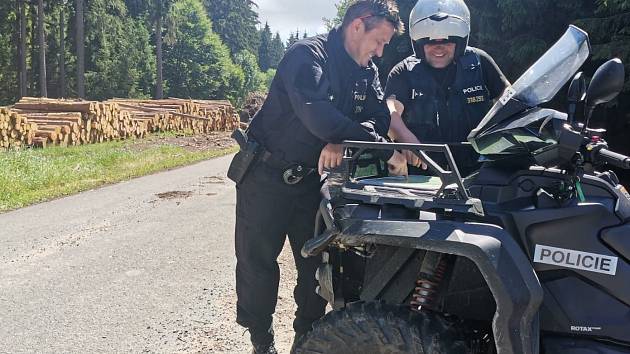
column 562, row 257
column 476, row 99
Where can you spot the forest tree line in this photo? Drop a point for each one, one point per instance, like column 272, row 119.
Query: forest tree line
column 98, row 49
column 213, row 49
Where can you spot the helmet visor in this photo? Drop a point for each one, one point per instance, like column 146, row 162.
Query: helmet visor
column 439, row 26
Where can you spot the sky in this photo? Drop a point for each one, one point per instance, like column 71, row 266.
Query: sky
column 287, row 16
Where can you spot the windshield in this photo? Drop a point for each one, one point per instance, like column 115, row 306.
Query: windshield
column 547, row 76
column 540, row 82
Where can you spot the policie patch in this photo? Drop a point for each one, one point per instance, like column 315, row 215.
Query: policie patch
column 562, row 257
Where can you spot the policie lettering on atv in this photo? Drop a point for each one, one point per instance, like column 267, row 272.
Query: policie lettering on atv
column 562, row 257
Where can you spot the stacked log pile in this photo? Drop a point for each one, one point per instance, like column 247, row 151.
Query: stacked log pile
column 74, row 122
column 16, row 130
column 42, row 121
column 221, row 113
column 55, row 127
column 196, row 116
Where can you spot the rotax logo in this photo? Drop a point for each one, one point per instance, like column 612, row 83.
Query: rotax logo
column 591, row 262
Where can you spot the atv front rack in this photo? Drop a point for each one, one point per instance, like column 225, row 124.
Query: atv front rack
column 444, row 191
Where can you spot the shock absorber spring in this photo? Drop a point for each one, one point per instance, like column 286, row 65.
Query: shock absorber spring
column 432, row 272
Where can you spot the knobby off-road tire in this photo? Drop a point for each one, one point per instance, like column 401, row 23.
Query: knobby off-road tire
column 377, row 328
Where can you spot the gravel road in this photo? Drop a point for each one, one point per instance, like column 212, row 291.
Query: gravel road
column 143, row 266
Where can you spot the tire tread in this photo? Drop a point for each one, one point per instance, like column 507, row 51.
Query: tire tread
column 379, row 328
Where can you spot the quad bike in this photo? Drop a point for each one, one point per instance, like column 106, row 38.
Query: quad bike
column 531, row 254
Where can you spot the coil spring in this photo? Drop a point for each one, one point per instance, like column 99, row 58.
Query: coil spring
column 427, row 287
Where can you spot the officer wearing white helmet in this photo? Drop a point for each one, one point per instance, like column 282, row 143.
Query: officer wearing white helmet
column 439, row 94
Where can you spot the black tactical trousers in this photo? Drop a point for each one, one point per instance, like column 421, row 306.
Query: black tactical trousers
column 267, row 211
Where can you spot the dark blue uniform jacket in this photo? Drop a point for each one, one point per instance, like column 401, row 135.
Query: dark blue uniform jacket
column 320, row 95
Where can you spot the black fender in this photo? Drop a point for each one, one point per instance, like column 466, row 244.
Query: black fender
column 504, row 266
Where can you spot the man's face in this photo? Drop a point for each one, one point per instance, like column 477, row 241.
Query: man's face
column 362, row 45
column 439, row 54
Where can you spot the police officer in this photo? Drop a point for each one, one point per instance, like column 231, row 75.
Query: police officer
column 439, row 94
column 326, row 90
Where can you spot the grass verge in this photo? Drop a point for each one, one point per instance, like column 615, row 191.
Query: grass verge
column 34, row 175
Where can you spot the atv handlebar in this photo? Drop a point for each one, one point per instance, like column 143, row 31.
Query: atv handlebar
column 613, row 158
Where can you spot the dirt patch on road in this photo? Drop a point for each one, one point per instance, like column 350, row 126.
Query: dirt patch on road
column 200, row 142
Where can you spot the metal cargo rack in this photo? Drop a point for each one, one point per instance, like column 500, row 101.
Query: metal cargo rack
column 444, row 191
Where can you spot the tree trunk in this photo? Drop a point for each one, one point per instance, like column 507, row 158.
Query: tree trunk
column 22, row 47
column 41, row 39
column 158, row 52
column 33, row 49
column 62, row 53
column 80, row 49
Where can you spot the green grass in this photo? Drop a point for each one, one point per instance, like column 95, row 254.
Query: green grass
column 34, row 175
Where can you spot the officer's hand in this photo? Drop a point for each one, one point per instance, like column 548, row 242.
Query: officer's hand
column 330, row 157
column 397, row 164
column 414, row 160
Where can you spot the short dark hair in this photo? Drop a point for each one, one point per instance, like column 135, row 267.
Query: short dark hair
column 372, row 12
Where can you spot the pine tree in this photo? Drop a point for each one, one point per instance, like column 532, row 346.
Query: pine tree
column 290, row 40
column 21, row 35
column 34, row 52
column 198, row 64
column 158, row 13
column 235, row 22
column 155, row 15
column 80, row 46
column 41, row 46
column 159, row 9
column 265, row 49
column 9, row 89
column 61, row 54
column 277, row 50
column 609, row 31
column 529, row 28
column 294, row 37
column 57, row 53
column 120, row 60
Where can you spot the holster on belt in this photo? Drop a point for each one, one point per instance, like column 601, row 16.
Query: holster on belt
column 245, row 158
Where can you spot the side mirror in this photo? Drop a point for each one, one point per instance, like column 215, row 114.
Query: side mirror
column 605, row 85
column 576, row 94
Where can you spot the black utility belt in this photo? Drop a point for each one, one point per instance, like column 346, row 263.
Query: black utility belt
column 252, row 152
column 291, row 172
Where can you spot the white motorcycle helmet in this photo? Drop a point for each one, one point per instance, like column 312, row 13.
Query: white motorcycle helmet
column 439, row 19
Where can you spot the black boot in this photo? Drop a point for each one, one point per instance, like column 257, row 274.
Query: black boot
column 262, row 340
column 264, row 348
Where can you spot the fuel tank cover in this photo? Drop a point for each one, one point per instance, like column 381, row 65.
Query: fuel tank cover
column 618, row 239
